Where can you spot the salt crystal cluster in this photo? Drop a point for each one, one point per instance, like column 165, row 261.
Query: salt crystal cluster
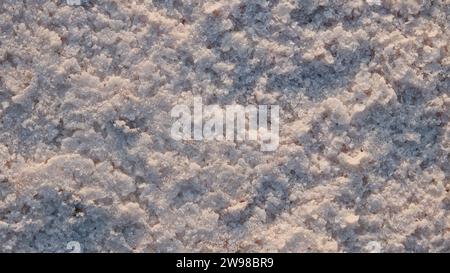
column 85, row 148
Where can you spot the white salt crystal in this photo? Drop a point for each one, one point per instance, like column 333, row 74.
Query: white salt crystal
column 374, row 2
column 74, row 2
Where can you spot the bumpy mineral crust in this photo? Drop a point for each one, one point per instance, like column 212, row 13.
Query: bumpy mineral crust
column 86, row 153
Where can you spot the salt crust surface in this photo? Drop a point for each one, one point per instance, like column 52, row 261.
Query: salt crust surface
column 85, row 147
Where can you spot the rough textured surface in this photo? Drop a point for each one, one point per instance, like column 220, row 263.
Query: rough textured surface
column 85, row 147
